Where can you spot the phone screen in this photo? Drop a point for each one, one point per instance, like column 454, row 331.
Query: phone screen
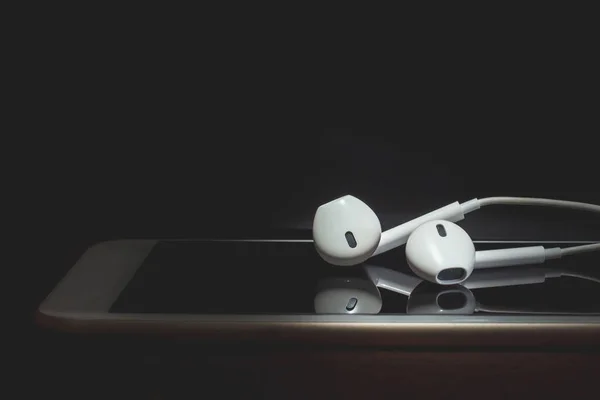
column 284, row 277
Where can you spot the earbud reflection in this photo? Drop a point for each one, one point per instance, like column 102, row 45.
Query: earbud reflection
column 363, row 296
column 347, row 296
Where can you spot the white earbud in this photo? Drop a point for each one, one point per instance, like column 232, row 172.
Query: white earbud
column 346, row 231
column 442, row 252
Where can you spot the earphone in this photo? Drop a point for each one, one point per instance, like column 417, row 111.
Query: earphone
column 362, row 296
column 346, row 231
column 442, row 252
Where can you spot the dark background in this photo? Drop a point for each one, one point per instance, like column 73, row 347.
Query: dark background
column 251, row 182
column 235, row 182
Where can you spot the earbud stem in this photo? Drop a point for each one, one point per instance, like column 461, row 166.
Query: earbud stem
column 398, row 235
column 502, row 277
column 514, row 256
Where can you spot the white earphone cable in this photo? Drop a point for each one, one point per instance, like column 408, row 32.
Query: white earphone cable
column 530, row 201
column 507, row 310
column 475, row 204
column 580, row 276
column 580, row 249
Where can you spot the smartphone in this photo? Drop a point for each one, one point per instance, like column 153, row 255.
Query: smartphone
column 269, row 290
